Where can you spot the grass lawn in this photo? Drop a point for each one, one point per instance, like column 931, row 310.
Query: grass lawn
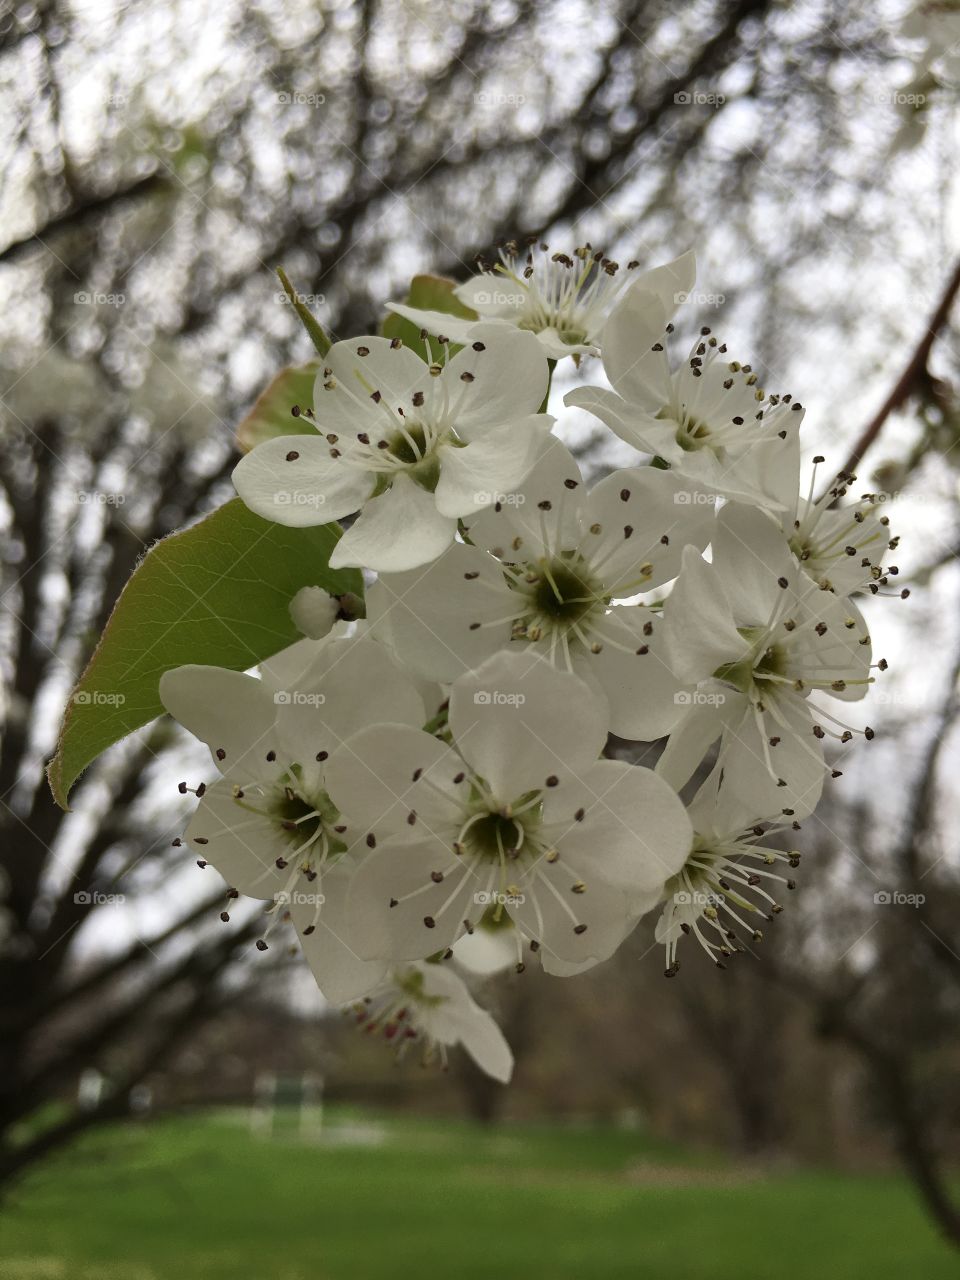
column 201, row 1199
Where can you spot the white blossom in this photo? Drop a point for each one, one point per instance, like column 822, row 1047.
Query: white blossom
column 728, row 882
column 430, row 1006
column 708, row 419
column 268, row 824
column 758, row 637
column 563, row 299
column 519, row 813
column 545, row 572
column 411, row 446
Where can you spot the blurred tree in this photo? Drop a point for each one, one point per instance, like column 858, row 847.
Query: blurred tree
column 162, row 159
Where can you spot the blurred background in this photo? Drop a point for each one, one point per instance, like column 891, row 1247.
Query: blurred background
column 174, row 1103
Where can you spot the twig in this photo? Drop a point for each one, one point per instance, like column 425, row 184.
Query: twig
column 908, row 380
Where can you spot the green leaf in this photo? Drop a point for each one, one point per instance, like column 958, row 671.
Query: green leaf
column 427, row 293
column 309, row 321
column 217, row 593
column 272, row 415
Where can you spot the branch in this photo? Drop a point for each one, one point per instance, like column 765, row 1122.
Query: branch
column 909, row 380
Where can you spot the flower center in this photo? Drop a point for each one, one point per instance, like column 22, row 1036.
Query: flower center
column 416, row 447
column 561, row 596
column 496, row 836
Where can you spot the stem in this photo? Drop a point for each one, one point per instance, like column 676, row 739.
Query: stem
column 912, row 375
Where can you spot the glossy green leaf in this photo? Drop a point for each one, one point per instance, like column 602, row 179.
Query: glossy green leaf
column 428, row 293
column 272, row 415
column 216, row 593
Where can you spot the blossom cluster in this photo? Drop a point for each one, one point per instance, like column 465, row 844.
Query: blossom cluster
column 436, row 791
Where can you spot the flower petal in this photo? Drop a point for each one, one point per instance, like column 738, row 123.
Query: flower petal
column 231, row 712
column 577, row 928
column 387, row 771
column 517, row 721
column 638, row 428
column 242, row 845
column 700, row 631
column 634, row 358
column 623, row 824
column 292, row 480
column 633, row 671
column 349, row 684
column 489, row 469
column 507, row 377
column 398, row 530
column 343, row 392
column 397, row 908
column 324, row 931
column 542, row 516
column 431, row 613
column 646, row 519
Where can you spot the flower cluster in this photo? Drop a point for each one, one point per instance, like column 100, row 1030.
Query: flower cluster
column 429, row 794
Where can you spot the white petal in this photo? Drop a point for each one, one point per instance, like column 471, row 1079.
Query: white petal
column 340, row 972
column 489, row 296
column 621, row 823
column 638, row 428
column 427, row 915
column 487, row 951
column 343, row 392
column 797, row 760
column 751, row 557
column 542, row 516
column 629, row 341
column 491, row 467
column 386, row 772
column 645, row 520
column 670, row 283
column 231, row 712
column 518, row 721
column 398, row 530
column 456, row 328
column 553, row 915
column 641, row 689
column 507, row 379
column 243, row 846
column 292, row 480
column 700, row 631
column 486, row 1044
column 694, row 735
column 350, row 684
column 430, row 613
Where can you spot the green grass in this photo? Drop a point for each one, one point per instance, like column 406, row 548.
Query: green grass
column 200, row 1198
